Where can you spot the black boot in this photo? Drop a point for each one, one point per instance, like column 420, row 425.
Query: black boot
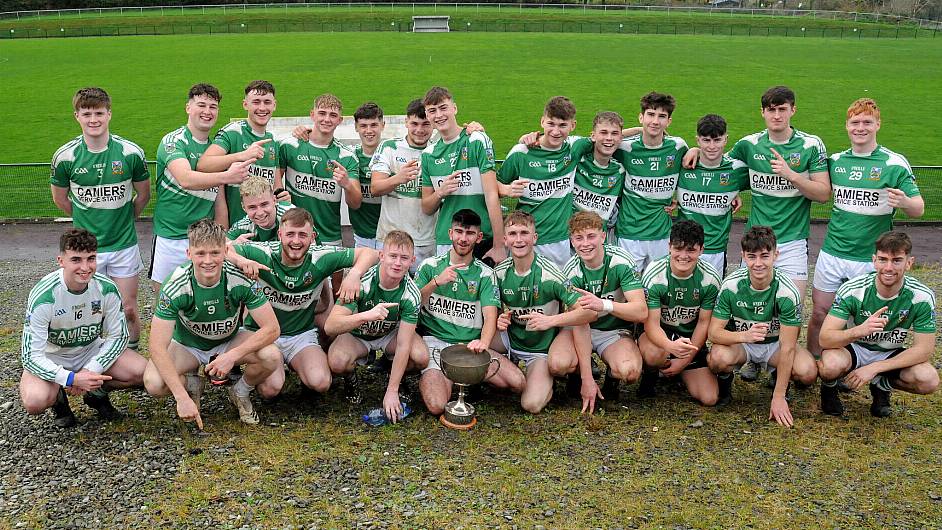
column 647, row 387
column 725, row 395
column 831, row 400
column 610, row 387
column 63, row 412
column 881, row 402
column 98, row 400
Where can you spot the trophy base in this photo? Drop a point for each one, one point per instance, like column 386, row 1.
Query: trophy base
column 459, row 423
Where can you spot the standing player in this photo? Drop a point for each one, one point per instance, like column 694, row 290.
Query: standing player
column 458, row 173
column 681, row 292
column 196, row 322
column 243, row 141
column 369, row 124
column 92, row 180
column 757, row 318
column 460, row 304
column 262, row 212
column 75, row 336
column 383, row 317
column 599, row 178
column 185, row 195
column 866, row 331
column 869, row 183
column 605, row 276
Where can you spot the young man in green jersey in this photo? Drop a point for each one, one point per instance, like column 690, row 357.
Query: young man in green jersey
column 185, row 195
column 866, row 330
column 102, row 181
column 383, row 317
column 457, row 172
column 681, row 293
column 293, row 282
column 196, row 322
column 75, row 336
column 599, row 178
column 652, row 161
column 460, row 305
column 757, row 318
column 262, row 213
column 870, row 182
column 245, row 140
column 605, row 277
column 538, row 302
column 369, row 124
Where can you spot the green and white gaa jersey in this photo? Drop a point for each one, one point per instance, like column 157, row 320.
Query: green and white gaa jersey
column 680, row 299
column 472, row 155
column 294, row 291
column 775, row 201
column 543, row 289
column 454, row 311
column 206, row 316
column 365, row 218
column 309, row 178
column 178, row 207
column 649, row 187
column 597, row 189
column 406, row 294
column 61, row 324
column 912, row 308
column 259, row 234
column 861, row 211
column 611, row 281
column 402, row 207
column 777, row 305
column 548, row 194
column 236, row 137
column 705, row 195
column 101, row 188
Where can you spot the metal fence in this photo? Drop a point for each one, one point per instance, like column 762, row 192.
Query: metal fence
column 27, row 197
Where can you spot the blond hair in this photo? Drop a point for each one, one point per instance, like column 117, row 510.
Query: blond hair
column 398, row 238
column 254, row 186
column 206, row 233
column 328, row 101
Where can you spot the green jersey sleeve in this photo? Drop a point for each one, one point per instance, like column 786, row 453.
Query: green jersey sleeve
column 654, row 294
column 788, row 313
column 253, row 253
column 907, row 183
column 334, row 260
column 167, row 307
column 508, row 170
column 565, row 294
column 60, row 173
column 580, row 147
column 629, row 280
column 225, row 140
column 481, row 153
column 250, row 295
column 139, row 171
column 425, row 178
column 710, row 293
column 490, row 296
column 425, row 273
column 284, row 154
column 723, row 309
column 924, row 321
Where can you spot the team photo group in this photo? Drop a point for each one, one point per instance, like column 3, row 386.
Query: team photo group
column 614, row 245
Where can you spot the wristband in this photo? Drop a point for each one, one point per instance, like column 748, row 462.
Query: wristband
column 70, row 380
column 608, row 306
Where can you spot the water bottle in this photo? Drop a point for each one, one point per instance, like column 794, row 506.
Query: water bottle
column 377, row 416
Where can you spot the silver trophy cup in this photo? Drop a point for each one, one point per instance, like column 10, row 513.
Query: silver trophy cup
column 465, row 368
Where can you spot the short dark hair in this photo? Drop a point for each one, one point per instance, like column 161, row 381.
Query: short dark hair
column 368, row 111
column 436, row 95
column 894, row 242
column 777, row 95
column 78, row 240
column 297, row 217
column 686, row 233
column 711, row 126
column 260, row 86
column 466, row 218
column 204, row 89
column 560, row 108
column 758, row 238
column 656, row 100
column 91, row 98
column 416, row 108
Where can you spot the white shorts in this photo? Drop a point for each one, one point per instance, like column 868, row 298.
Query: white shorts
column 435, row 347
column 603, row 339
column 831, row 271
column 363, row 242
column 291, row 346
column 718, row 261
column 168, row 255
column 421, row 253
column 377, row 344
column 205, row 356
column 123, row 263
column 760, row 353
column 558, row 252
column 516, row 356
column 79, row 358
column 644, row 252
column 861, row 356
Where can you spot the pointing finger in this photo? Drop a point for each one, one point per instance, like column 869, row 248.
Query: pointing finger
column 778, row 156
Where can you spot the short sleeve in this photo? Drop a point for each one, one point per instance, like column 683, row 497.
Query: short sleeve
column 141, row 172
column 60, row 174
column 788, row 311
column 481, row 152
column 708, row 298
column 166, row 306
column 842, row 307
column 424, row 275
column 924, row 320
column 223, row 140
column 724, row 303
column 508, row 170
column 380, row 162
column 488, row 290
column 425, row 178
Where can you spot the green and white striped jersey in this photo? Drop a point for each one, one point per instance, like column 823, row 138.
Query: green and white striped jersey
column 454, row 311
column 246, row 226
column 101, row 188
column 236, row 137
column 206, row 316
column 861, row 211
column 775, row 201
column 777, row 305
column 406, row 294
column 611, row 281
column 706, row 194
column 402, row 207
column 294, row 291
column 912, row 308
column 680, row 300
column 597, row 189
column 649, row 187
column 365, row 218
column 62, row 324
column 178, row 207
column 543, row 289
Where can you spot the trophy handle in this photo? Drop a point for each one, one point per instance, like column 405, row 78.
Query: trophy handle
column 493, row 360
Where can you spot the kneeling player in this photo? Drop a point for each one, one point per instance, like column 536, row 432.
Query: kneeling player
column 605, row 276
column 196, row 322
column 263, row 212
column 865, row 331
column 75, row 336
column 460, row 304
column 757, row 318
column 681, row 291
column 383, row 317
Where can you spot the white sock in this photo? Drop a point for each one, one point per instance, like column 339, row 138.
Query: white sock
column 241, row 388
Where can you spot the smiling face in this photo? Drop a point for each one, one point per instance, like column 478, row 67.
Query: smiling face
column 442, row 115
column 588, row 244
column 261, row 209
column 395, row 260
column 370, row 131
column 760, row 264
column 259, row 106
column 683, row 259
column 418, row 130
column 93, row 121
column 711, row 148
column 520, row 239
column 77, row 268
column 295, row 241
column 555, row 131
column 207, row 263
column 326, row 120
column 862, row 131
column 891, row 267
column 607, row 136
column 654, row 122
column 463, row 238
column 202, row 112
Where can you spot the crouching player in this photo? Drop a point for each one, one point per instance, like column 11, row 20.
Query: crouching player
column 757, row 318
column 681, row 292
column 262, row 209
column 196, row 322
column 75, row 336
column 460, row 304
column 867, row 326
